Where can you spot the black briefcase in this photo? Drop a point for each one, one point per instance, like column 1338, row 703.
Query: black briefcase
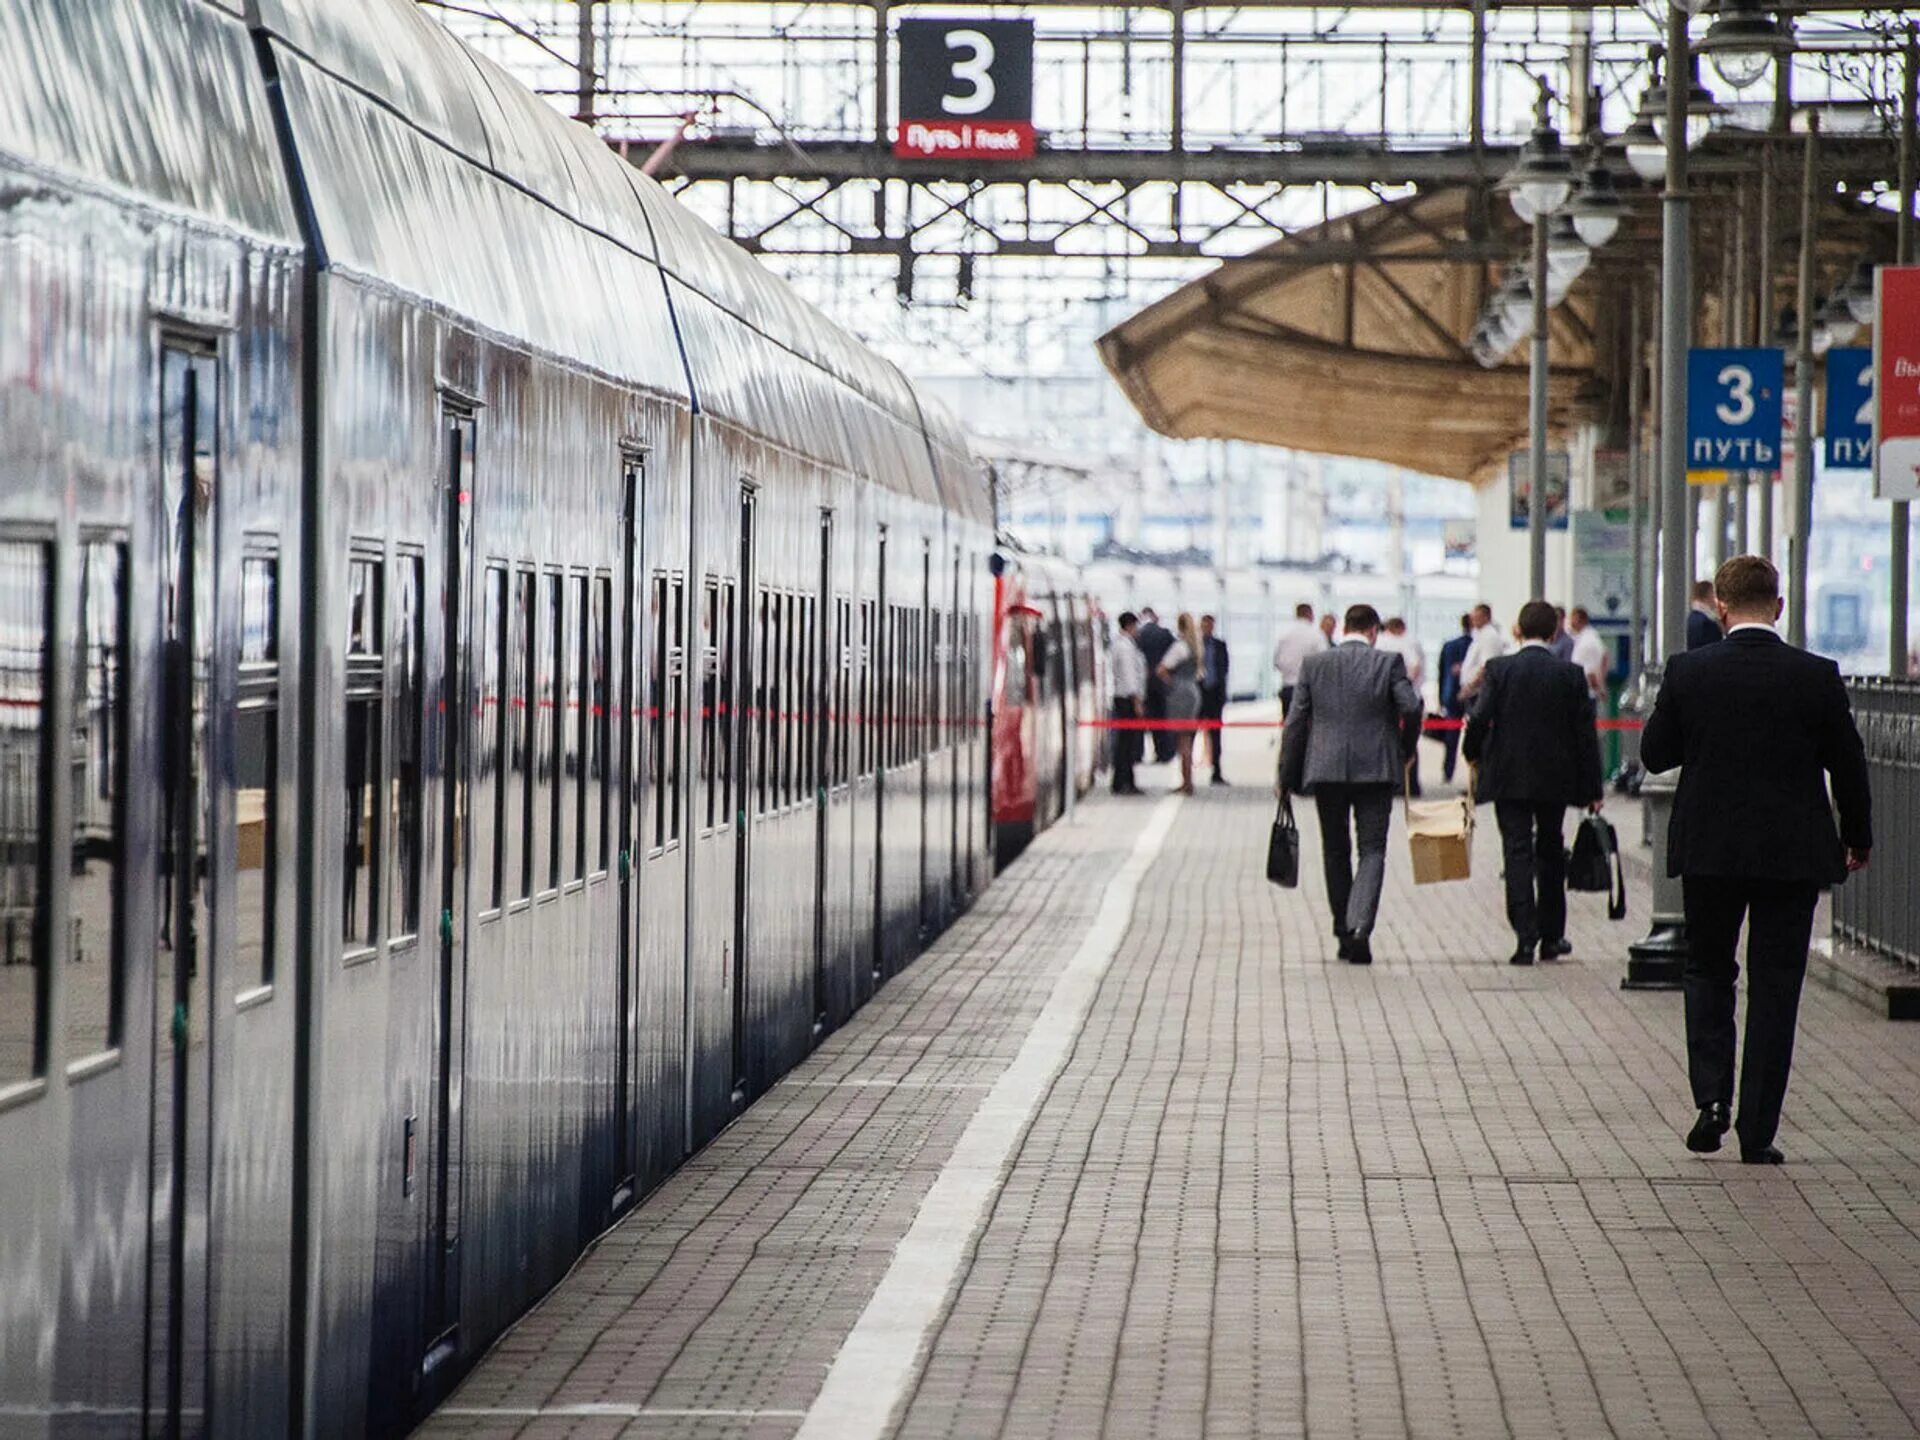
column 1283, row 847
column 1595, row 867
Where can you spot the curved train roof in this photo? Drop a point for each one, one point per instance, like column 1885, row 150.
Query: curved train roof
column 397, row 120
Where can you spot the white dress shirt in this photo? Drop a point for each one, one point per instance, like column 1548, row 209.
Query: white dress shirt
column 1408, row 649
column 1299, row 640
column 1488, row 644
column 1590, row 654
column 1129, row 670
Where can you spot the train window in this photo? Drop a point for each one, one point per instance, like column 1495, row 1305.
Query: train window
column 842, row 627
column 553, row 736
column 777, row 698
column 489, row 739
column 677, row 679
column 574, row 721
column 709, row 700
column 762, row 655
column 409, row 664
column 725, row 705
column 791, row 698
column 809, row 699
column 863, row 692
column 94, row 974
column 599, row 729
column 518, row 643
column 657, row 711
column 360, row 857
column 936, row 662
column 256, row 807
column 26, row 606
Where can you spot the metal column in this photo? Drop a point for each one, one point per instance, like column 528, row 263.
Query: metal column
column 1537, row 422
column 1801, row 536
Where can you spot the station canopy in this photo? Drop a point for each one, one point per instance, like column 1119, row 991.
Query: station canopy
column 1350, row 338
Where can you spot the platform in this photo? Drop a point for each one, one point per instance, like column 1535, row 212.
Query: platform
column 1147, row 1160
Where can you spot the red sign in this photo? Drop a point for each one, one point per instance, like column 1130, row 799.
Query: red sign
column 965, row 140
column 1896, row 382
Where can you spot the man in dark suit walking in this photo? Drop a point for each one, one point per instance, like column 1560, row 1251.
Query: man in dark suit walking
column 1342, row 745
column 1453, row 705
column 1703, row 618
column 1154, row 640
column 1531, row 733
column 1757, row 728
column 1213, row 690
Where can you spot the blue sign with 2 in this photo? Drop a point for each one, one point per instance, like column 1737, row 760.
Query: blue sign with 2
column 1733, row 411
column 1849, row 410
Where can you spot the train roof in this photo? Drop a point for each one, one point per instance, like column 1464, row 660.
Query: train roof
column 380, row 90
column 162, row 103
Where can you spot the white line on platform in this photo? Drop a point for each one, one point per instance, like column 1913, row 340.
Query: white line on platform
column 870, row 1375
column 589, row 1409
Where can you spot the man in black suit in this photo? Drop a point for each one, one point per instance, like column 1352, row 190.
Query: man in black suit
column 1453, row 704
column 1154, row 640
column 1213, row 690
column 1703, row 619
column 1531, row 733
column 1757, row 729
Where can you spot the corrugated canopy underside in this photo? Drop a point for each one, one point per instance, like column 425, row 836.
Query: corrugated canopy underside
column 1349, row 339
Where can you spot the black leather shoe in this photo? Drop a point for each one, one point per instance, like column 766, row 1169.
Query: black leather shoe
column 1522, row 956
column 1765, row 1155
column 1555, row 949
column 1359, row 951
column 1713, row 1123
column 1219, row 779
column 1343, row 945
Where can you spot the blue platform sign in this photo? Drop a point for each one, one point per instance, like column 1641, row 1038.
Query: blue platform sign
column 1849, row 409
column 1733, row 412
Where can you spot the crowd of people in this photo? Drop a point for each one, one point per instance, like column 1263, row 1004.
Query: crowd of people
column 1761, row 733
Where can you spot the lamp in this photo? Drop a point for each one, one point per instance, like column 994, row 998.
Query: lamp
column 1836, row 317
column 1858, row 291
column 1567, row 254
column 1646, row 151
column 1702, row 108
column 1743, row 41
column 1542, row 178
column 1596, row 207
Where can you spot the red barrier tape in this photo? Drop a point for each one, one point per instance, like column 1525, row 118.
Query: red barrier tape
column 1433, row 725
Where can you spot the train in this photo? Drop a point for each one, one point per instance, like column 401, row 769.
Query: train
column 489, row 679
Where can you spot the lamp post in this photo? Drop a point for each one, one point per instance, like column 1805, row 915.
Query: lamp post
column 1539, row 184
column 1900, row 519
column 1657, row 960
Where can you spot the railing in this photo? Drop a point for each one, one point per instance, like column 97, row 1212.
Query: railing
column 1876, row 908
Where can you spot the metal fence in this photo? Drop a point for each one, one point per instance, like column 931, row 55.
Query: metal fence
column 1877, row 907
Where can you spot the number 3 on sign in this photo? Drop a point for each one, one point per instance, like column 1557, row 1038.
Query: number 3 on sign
column 1737, row 408
column 976, row 70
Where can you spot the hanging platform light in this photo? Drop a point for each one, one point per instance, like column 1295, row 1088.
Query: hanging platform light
column 1541, row 180
column 1744, row 41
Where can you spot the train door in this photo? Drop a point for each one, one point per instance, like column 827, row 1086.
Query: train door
column 740, row 758
column 627, row 771
column 441, row 1170
column 823, row 703
column 881, row 710
column 178, row 1272
column 954, row 737
column 925, row 682
column 862, row 877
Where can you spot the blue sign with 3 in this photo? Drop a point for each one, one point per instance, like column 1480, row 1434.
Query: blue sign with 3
column 1733, row 411
column 1849, row 409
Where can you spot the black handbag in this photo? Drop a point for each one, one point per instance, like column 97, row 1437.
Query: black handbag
column 1283, row 848
column 1595, row 866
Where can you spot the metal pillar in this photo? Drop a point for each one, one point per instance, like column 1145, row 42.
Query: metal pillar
column 1765, row 479
column 1656, row 962
column 1636, row 480
column 1802, row 521
column 1901, row 516
column 1537, row 421
column 588, row 83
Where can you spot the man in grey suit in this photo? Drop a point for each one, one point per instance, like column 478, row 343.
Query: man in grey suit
column 1344, row 744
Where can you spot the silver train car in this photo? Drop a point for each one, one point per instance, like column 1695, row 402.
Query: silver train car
column 487, row 679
